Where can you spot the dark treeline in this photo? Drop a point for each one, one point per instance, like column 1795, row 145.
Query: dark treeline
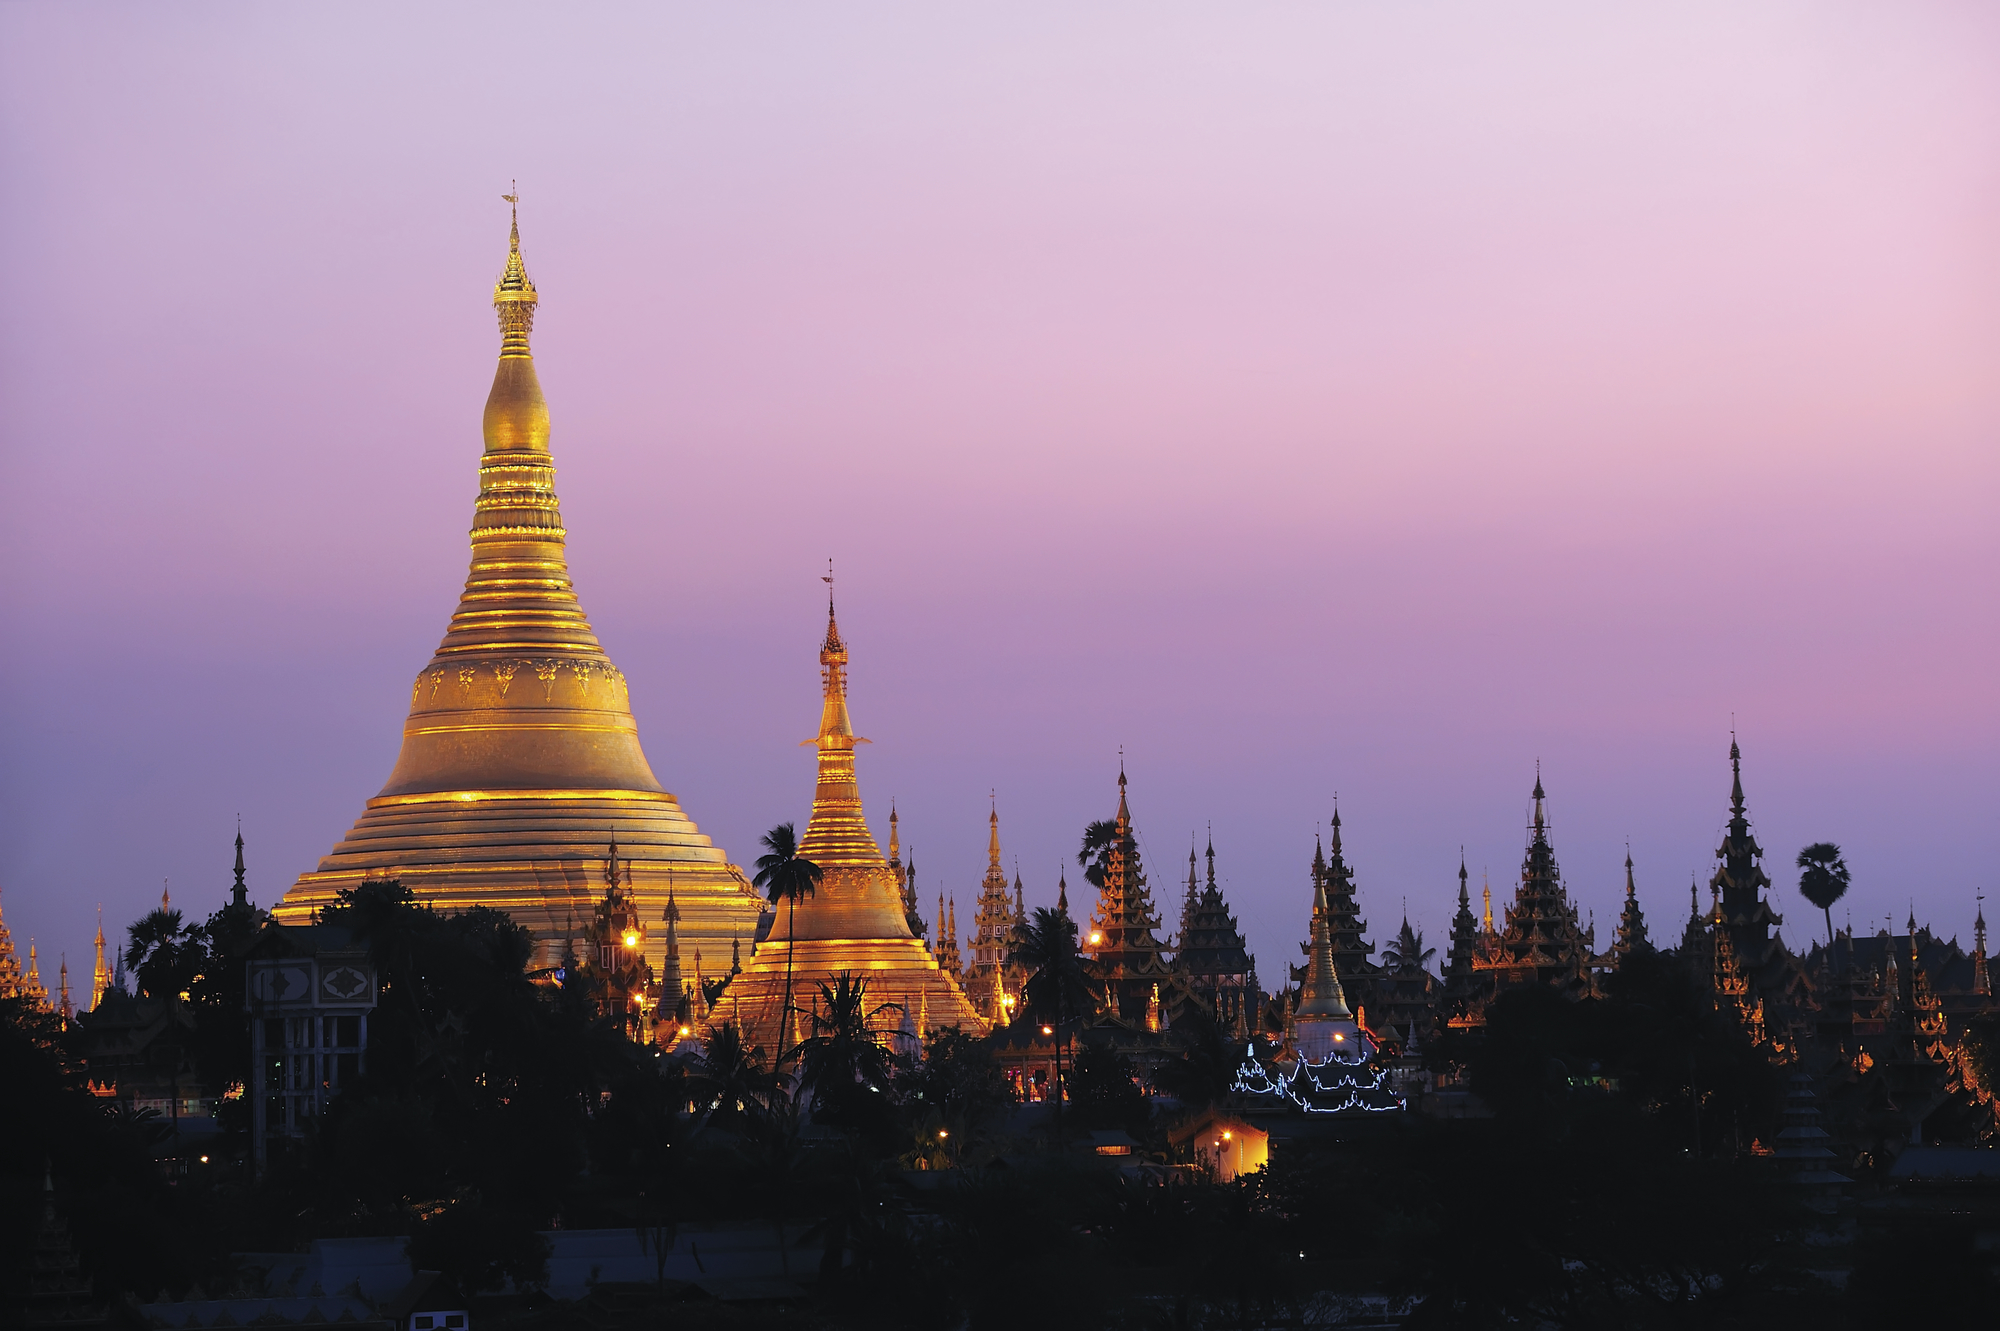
column 1613, row 1185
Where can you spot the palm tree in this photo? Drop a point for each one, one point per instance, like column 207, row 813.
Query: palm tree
column 1408, row 950
column 1825, row 879
column 1047, row 944
column 160, row 951
column 786, row 876
column 844, row 1051
column 1098, row 839
column 731, row 1078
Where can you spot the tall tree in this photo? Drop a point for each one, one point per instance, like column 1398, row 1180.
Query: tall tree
column 1098, row 839
column 1824, row 880
column 786, row 876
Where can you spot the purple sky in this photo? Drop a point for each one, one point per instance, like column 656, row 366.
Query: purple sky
column 1311, row 399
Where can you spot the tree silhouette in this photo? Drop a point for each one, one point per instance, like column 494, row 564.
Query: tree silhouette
column 1098, row 840
column 786, row 876
column 1824, row 880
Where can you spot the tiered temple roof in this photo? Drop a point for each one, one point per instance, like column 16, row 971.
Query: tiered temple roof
column 1541, row 941
column 1344, row 923
column 1740, row 879
column 1125, row 955
column 1459, row 985
column 14, row 981
column 1631, row 920
column 1213, row 960
column 990, row 982
column 520, row 753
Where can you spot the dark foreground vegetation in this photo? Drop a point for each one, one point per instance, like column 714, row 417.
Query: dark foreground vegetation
column 1614, row 1185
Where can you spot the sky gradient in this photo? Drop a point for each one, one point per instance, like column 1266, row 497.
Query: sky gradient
column 1310, row 399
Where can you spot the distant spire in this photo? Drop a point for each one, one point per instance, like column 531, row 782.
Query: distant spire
column 1486, row 895
column 993, row 839
column 166, row 901
column 1062, row 891
column 1541, row 821
column 239, row 895
column 1335, row 838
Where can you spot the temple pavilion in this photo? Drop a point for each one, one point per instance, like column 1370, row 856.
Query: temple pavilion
column 520, row 756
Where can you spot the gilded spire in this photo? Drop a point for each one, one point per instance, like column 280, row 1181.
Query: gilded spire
column 837, row 834
column 993, row 840
column 514, row 297
column 1321, row 994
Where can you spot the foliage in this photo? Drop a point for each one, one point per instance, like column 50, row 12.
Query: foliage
column 1824, row 880
column 480, row 1250
column 1057, row 989
column 846, row 1065
column 1098, row 840
column 786, row 876
column 959, row 1077
column 1104, row 1089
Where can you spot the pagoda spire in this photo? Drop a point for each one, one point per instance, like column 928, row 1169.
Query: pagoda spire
column 1632, row 921
column 1982, row 982
column 1062, row 892
column 1321, row 995
column 670, row 966
column 239, row 893
column 837, row 834
column 100, row 979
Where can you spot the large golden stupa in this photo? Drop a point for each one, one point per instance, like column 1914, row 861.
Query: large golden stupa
column 854, row 921
column 521, row 760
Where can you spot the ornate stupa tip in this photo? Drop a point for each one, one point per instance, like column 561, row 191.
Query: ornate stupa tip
column 517, row 416
column 514, row 297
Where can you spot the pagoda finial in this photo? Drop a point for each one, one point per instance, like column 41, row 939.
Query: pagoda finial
column 514, row 297
column 1631, row 890
column 1062, row 889
column 1736, row 775
column 1486, row 896
column 1540, row 821
column 993, row 836
column 1211, row 854
column 166, row 901
column 1335, row 836
column 1464, row 897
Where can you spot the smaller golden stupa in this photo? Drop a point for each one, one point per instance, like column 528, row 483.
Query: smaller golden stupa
column 854, row 921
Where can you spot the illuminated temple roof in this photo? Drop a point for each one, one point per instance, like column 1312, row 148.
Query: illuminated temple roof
column 854, row 921
column 520, row 753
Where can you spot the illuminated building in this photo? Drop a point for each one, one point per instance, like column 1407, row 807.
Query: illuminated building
column 1124, row 958
column 520, row 754
column 854, row 921
column 14, row 982
column 992, row 982
column 614, row 969
column 1540, row 941
column 1328, row 1062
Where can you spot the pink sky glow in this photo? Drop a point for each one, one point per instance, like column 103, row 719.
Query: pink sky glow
column 1308, row 398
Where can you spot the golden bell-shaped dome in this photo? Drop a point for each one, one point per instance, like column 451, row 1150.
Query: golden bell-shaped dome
column 520, row 754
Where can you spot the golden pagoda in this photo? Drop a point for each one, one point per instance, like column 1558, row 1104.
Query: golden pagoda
column 854, row 921
column 520, row 755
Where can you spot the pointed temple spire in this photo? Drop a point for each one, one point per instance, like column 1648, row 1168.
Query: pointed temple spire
column 1631, row 921
column 1321, row 996
column 239, row 893
column 1982, row 981
column 519, row 743
column 1740, row 880
column 1125, row 955
column 14, row 982
column 855, row 922
column 990, row 979
column 1542, row 941
column 100, row 978
column 1458, row 986
column 1214, row 962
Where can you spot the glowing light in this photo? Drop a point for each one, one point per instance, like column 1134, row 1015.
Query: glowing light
column 1338, row 1036
column 632, row 940
column 1048, row 1030
column 941, row 1134
column 1225, row 1136
column 684, row 1030
column 204, row 1159
column 1095, row 938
